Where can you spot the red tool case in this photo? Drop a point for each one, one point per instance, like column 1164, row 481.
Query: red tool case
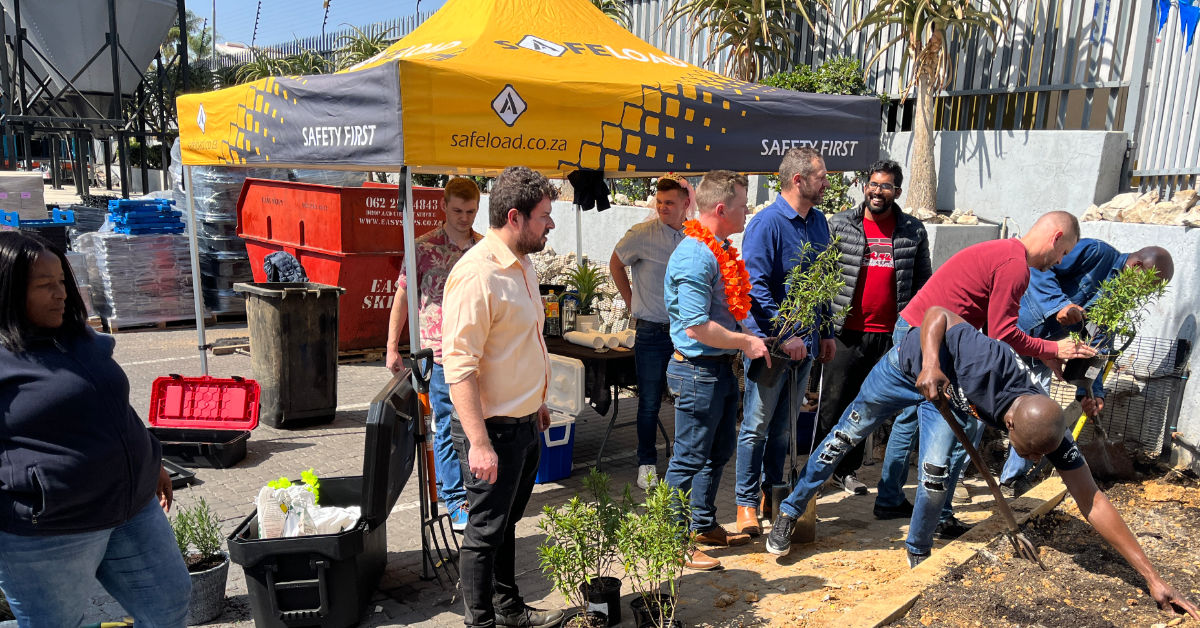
column 203, row 421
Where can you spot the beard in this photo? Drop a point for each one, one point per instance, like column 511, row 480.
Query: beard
column 880, row 210
column 529, row 242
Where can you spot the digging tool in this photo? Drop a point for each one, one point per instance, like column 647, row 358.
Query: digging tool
column 806, row 526
column 1022, row 546
column 439, row 545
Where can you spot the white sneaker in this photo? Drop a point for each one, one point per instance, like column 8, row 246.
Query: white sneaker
column 851, row 485
column 647, row 476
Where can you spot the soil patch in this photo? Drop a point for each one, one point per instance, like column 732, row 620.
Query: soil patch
column 1088, row 582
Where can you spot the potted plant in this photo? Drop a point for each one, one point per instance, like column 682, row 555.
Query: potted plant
column 586, row 280
column 654, row 542
column 602, row 589
column 1113, row 317
column 198, row 535
column 568, row 555
column 810, row 288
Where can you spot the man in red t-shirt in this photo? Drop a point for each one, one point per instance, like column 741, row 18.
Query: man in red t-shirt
column 983, row 284
column 885, row 261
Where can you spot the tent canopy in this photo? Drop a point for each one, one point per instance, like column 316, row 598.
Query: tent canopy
column 556, row 86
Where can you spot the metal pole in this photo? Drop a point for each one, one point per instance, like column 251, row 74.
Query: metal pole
column 85, row 151
column 197, row 283
column 181, row 8
column 19, row 33
column 114, row 43
column 77, row 163
column 55, row 183
column 1142, row 38
column 579, row 239
column 410, row 260
column 107, row 165
column 145, row 141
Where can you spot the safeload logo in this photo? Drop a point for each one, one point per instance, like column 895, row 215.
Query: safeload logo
column 200, row 119
column 509, row 105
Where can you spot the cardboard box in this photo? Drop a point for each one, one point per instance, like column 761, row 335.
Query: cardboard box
column 24, row 193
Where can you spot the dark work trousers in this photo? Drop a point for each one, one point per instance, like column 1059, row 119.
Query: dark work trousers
column 487, row 561
column 857, row 352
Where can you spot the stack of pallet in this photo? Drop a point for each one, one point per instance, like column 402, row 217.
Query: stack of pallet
column 139, row 279
column 145, row 217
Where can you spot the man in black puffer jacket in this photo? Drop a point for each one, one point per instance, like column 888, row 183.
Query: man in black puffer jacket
column 884, row 260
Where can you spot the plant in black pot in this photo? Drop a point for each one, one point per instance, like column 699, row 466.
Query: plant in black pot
column 587, row 281
column 570, row 553
column 654, row 541
column 807, row 306
column 602, row 589
column 198, row 535
column 1112, row 318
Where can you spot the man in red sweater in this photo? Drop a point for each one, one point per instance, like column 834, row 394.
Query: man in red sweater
column 983, row 284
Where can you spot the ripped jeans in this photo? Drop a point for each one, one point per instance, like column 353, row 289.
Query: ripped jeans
column 887, row 391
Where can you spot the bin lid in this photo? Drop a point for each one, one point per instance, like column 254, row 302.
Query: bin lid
column 390, row 447
column 565, row 394
column 283, row 289
column 204, row 402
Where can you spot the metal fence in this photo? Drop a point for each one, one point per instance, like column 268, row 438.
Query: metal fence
column 1060, row 65
column 330, row 42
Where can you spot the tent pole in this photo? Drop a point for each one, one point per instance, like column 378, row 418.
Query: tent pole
column 410, row 259
column 579, row 235
column 197, row 283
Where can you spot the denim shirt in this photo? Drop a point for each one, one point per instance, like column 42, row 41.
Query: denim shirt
column 694, row 292
column 1076, row 279
column 771, row 248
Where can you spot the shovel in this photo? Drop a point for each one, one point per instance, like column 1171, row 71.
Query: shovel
column 1022, row 546
column 439, row 545
column 806, row 526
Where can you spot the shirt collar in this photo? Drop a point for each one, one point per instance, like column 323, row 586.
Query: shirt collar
column 499, row 250
column 788, row 211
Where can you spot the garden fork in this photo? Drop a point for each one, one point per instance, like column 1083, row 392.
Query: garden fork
column 439, row 545
column 1022, row 546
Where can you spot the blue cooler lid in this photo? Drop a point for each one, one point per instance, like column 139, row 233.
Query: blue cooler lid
column 390, row 447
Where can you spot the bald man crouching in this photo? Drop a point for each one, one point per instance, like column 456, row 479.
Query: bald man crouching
column 984, row 380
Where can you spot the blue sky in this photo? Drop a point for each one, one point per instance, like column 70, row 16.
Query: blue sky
column 284, row 20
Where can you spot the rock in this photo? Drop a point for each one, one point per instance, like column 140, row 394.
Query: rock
column 922, row 213
column 724, row 600
column 1131, row 212
column 1164, row 213
column 1190, row 219
column 1092, row 213
column 1186, row 198
column 750, row 596
column 1121, row 201
column 967, row 219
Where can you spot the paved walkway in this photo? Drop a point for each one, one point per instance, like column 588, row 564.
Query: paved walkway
column 855, row 556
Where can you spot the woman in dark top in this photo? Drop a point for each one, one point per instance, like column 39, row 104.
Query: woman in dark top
column 83, row 494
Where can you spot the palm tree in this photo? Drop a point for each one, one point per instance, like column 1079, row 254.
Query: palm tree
column 756, row 33
column 923, row 27
column 617, row 10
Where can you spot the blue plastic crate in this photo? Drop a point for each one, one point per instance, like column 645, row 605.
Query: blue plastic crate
column 558, row 450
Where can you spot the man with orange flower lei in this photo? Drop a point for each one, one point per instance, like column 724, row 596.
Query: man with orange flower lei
column 706, row 290
column 773, row 243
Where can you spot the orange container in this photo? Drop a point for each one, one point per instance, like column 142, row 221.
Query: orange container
column 333, row 219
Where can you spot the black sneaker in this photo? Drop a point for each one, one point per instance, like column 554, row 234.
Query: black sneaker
column 529, row 617
column 950, row 529
column 915, row 559
column 902, row 511
column 852, row 485
column 779, row 541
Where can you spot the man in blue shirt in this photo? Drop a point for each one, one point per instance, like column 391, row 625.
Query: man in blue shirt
column 700, row 373
column 773, row 242
column 1054, row 304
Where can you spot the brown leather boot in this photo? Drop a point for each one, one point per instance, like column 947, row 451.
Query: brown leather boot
column 747, row 521
column 720, row 537
column 764, row 508
column 701, row 561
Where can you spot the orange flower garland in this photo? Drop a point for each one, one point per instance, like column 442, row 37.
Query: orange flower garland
column 733, row 269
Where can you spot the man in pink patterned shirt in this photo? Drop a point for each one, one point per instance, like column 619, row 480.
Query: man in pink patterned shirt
column 437, row 251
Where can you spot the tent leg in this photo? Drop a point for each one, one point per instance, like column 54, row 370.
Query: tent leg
column 197, row 283
column 410, row 259
column 579, row 235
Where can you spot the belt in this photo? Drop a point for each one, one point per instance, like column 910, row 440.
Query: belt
column 512, row 420
column 710, row 359
column 653, row 325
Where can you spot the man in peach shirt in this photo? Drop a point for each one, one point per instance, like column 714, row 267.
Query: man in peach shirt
column 498, row 370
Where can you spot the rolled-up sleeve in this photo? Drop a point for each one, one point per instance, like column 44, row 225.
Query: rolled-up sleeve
column 466, row 320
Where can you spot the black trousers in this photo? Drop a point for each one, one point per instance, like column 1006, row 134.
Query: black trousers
column 487, row 561
column 857, row 352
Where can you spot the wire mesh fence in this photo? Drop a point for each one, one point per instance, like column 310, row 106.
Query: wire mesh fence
column 1142, row 391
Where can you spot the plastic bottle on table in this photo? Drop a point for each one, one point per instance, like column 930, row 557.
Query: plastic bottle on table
column 553, row 320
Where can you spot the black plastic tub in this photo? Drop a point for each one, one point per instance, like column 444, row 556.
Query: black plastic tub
column 218, row 449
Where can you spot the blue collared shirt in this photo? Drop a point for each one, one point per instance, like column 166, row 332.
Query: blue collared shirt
column 771, row 248
column 1076, row 279
column 694, row 292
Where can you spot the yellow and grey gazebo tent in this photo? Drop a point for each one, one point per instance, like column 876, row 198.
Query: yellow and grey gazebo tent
column 550, row 84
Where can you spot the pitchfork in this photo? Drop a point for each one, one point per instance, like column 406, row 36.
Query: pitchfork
column 439, row 549
column 1022, row 546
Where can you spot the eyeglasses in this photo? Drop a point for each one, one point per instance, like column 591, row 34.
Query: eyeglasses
column 886, row 187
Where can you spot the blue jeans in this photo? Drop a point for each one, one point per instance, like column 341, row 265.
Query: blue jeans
column 893, row 473
column 652, row 350
column 705, row 424
column 886, row 392
column 904, row 438
column 137, row 562
column 762, row 443
column 449, row 474
column 1016, row 466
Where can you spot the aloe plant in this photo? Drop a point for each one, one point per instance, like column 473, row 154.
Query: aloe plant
column 586, row 280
